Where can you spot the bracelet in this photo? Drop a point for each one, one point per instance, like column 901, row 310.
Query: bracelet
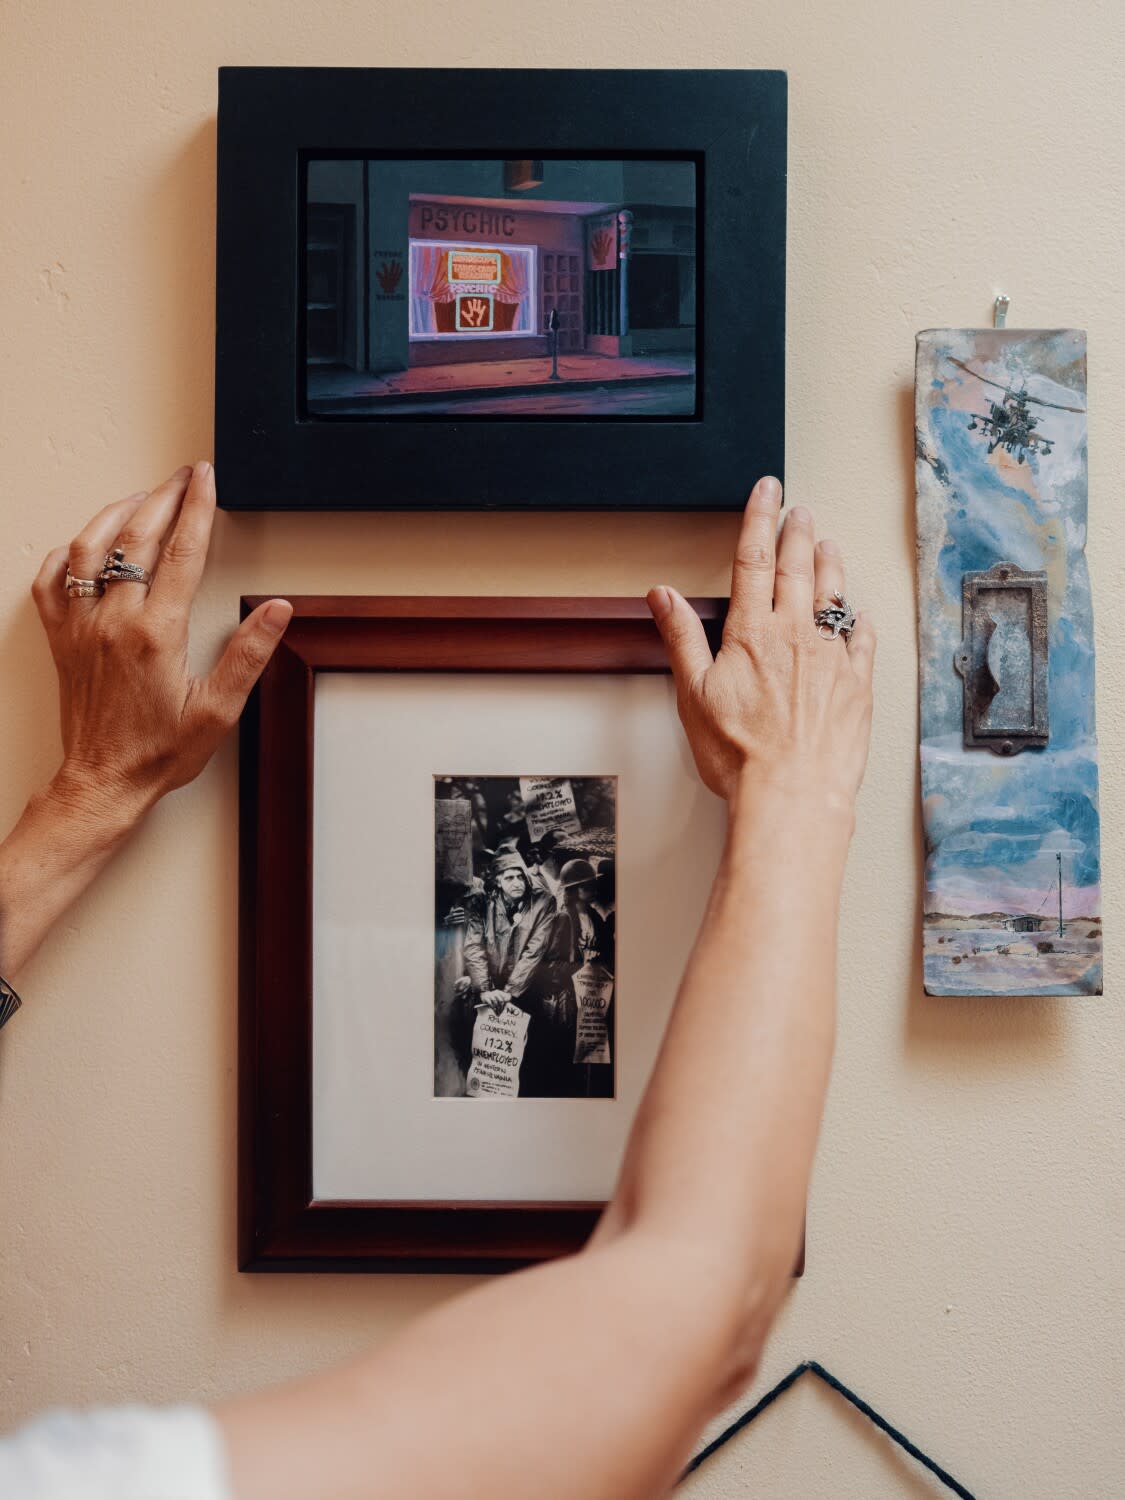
column 10, row 1002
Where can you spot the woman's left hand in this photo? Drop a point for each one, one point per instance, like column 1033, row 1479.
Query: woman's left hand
column 136, row 722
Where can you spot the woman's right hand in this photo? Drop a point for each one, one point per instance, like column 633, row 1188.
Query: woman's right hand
column 778, row 705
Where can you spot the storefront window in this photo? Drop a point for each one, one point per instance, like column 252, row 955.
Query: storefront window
column 471, row 291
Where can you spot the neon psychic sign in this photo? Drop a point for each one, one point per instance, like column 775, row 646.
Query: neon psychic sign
column 477, row 272
column 477, row 266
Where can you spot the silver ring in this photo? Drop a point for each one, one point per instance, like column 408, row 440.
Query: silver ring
column 82, row 588
column 116, row 570
column 835, row 619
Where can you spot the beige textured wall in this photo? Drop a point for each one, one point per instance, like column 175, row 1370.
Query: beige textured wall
column 966, row 1222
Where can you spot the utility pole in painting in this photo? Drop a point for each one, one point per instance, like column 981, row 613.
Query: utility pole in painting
column 553, row 330
column 1059, row 858
column 624, row 227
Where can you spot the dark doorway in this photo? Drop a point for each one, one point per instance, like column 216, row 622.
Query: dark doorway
column 655, row 291
column 330, row 285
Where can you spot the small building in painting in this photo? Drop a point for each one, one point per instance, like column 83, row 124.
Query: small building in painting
column 1025, row 924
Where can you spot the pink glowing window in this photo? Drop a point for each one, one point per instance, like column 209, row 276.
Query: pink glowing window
column 471, row 290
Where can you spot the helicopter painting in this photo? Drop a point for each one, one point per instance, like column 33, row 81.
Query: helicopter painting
column 1012, row 844
column 1010, row 423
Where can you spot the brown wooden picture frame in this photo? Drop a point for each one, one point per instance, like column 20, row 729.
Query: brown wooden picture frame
column 281, row 1226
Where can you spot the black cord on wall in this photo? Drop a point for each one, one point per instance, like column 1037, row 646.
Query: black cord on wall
column 857, row 1401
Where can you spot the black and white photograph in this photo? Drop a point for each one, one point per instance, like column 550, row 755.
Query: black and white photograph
column 465, row 940
column 524, row 936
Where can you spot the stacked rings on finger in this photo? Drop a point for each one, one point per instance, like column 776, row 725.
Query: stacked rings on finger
column 83, row 588
column 837, row 618
column 116, row 570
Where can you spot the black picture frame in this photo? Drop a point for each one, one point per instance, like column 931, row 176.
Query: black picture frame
column 269, row 456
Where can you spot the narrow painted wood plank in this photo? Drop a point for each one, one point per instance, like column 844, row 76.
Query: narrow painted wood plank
column 1012, row 896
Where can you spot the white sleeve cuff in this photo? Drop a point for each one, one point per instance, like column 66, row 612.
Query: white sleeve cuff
column 116, row 1453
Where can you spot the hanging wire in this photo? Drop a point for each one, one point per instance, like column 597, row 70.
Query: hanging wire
column 857, row 1401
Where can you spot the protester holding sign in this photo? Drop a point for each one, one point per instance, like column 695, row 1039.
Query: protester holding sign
column 582, row 985
column 583, row 936
column 507, row 940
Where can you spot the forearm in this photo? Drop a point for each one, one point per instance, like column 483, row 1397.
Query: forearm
column 67, row 832
column 617, row 1356
column 722, row 1147
column 585, row 1379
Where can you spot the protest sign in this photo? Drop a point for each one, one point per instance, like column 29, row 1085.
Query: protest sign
column 498, row 1046
column 593, row 989
column 550, row 806
column 453, row 841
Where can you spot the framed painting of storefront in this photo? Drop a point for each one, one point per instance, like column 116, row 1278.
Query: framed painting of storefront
column 472, row 289
column 474, row 856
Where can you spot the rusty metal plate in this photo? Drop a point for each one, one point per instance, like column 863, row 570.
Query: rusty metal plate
column 1003, row 659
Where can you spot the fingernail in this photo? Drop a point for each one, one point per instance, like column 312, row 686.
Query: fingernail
column 202, row 469
column 801, row 515
column 830, row 548
column 660, row 601
column 769, row 489
column 276, row 616
column 138, row 495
